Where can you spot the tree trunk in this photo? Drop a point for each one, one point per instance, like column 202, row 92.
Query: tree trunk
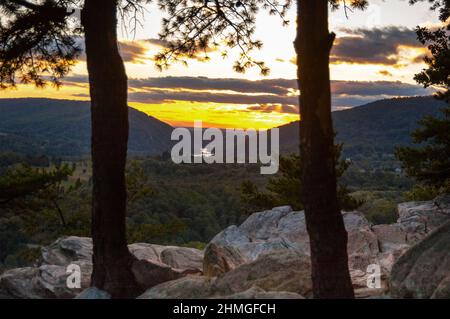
column 109, row 114
column 325, row 225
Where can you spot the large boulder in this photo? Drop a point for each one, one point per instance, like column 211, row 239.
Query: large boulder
column 281, row 273
column 149, row 273
column 424, row 270
column 221, row 259
column 284, row 270
column 53, row 279
column 418, row 219
column 390, row 237
column 282, row 229
column 21, row 283
column 259, row 293
column 189, row 287
column 183, row 258
column 66, row 250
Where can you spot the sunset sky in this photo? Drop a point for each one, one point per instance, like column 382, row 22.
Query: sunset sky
column 376, row 55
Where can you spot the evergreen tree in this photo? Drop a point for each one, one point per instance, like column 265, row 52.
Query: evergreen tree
column 192, row 26
column 283, row 189
column 429, row 163
column 32, row 189
column 38, row 42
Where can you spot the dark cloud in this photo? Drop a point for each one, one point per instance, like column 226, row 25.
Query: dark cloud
column 388, row 88
column 272, row 86
column 158, row 42
column 271, row 95
column 161, row 96
column 374, row 46
column 385, row 73
column 269, row 108
column 131, row 51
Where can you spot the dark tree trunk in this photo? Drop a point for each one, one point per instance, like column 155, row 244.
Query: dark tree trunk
column 328, row 237
column 109, row 114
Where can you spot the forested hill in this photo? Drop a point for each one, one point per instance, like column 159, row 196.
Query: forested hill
column 373, row 128
column 62, row 128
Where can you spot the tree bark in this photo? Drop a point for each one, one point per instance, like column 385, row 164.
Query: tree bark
column 325, row 225
column 109, row 114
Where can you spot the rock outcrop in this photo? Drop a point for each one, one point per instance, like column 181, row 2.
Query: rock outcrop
column 282, row 229
column 424, row 270
column 267, row 256
column 418, row 219
column 278, row 273
column 155, row 264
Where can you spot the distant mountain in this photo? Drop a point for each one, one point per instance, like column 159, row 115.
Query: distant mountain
column 372, row 128
column 63, row 128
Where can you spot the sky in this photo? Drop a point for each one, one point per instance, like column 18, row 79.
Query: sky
column 375, row 56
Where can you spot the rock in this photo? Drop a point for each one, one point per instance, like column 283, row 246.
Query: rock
column 146, row 251
column 443, row 202
column 66, row 250
column 221, row 259
column 387, row 259
column 418, row 219
column 265, row 224
column 21, row 283
column 278, row 271
column 424, row 270
column 53, row 279
column 176, row 257
column 155, row 265
column 93, row 293
column 390, row 237
column 258, row 293
column 360, row 280
column 183, row 258
column 189, row 287
column 443, row 290
column 149, row 273
column 282, row 273
column 283, row 229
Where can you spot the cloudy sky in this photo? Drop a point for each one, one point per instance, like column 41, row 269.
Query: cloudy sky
column 375, row 56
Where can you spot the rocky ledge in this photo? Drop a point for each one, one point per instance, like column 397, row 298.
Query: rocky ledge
column 267, row 256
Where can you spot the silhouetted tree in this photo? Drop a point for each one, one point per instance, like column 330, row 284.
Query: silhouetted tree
column 193, row 26
column 38, row 44
column 35, row 188
column 430, row 163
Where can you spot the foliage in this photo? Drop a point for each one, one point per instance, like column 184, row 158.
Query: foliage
column 39, row 41
column 193, row 28
column 421, row 192
column 286, row 187
column 379, row 207
column 25, row 183
column 429, row 163
column 37, row 206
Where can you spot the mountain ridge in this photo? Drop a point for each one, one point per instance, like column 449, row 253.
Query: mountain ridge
column 58, row 127
column 374, row 127
column 63, row 128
